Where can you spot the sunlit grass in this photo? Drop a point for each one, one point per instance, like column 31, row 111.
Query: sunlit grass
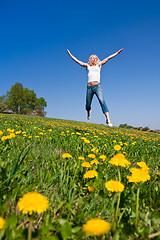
column 46, row 156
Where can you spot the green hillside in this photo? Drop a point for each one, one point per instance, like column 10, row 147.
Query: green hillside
column 82, row 171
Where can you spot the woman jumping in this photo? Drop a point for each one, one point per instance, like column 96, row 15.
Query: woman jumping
column 93, row 68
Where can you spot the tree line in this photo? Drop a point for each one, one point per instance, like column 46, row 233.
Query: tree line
column 22, row 100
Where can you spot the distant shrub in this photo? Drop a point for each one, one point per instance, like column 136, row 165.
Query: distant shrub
column 145, row 129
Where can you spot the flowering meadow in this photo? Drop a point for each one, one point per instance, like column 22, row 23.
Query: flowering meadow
column 64, row 180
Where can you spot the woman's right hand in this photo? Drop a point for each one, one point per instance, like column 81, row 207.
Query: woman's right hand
column 68, row 51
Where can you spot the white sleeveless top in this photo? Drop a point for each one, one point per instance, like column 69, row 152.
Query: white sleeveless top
column 93, row 73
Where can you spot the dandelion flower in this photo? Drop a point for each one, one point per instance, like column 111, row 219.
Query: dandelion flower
column 114, row 186
column 1, row 132
column 90, row 174
column 2, row 222
column 96, row 227
column 138, row 175
column 117, row 147
column 3, row 138
column 78, row 133
column 86, row 141
column 17, row 132
column 81, row 158
column 94, row 162
column 95, row 150
column 119, row 160
column 103, row 157
column 33, row 202
column 90, row 189
column 66, row 155
column 158, row 173
column 91, row 155
column 86, row 164
column 143, row 166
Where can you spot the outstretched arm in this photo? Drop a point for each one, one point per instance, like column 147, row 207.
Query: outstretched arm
column 76, row 60
column 111, row 56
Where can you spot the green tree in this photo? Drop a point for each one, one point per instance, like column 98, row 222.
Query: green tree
column 23, row 101
column 30, row 99
column 16, row 98
column 2, row 107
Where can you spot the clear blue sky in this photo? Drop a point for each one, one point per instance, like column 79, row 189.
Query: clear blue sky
column 34, row 36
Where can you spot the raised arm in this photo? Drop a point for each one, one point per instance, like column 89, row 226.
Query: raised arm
column 108, row 58
column 76, row 60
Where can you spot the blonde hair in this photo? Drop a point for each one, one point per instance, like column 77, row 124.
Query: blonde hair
column 91, row 57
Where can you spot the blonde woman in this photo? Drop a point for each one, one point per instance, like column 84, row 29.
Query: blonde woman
column 93, row 68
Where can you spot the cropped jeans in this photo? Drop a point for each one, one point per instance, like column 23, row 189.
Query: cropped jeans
column 95, row 89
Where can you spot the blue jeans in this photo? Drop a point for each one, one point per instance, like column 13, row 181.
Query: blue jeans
column 96, row 89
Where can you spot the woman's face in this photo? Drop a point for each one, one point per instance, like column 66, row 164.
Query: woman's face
column 93, row 59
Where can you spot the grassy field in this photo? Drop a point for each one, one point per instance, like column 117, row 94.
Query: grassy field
column 52, row 157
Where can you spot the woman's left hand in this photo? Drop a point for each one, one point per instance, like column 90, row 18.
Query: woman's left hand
column 120, row 50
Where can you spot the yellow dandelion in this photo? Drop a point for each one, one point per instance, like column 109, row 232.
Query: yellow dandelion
column 10, row 130
column 1, row 132
column 119, row 160
column 86, row 141
column 158, row 173
column 91, row 155
column 143, row 165
column 86, row 164
column 90, row 189
column 117, row 147
column 138, row 175
column 103, row 157
column 33, row 202
column 17, row 132
column 114, row 186
column 2, row 222
column 81, row 158
column 94, row 162
column 96, row 227
column 3, row 138
column 78, row 133
column 66, row 155
column 95, row 150
column 90, row 174
column 49, row 130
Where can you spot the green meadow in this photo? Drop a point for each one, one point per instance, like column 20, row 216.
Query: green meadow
column 33, row 158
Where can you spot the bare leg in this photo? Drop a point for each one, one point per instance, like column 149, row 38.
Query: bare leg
column 108, row 119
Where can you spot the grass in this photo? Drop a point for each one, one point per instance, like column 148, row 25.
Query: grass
column 31, row 160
